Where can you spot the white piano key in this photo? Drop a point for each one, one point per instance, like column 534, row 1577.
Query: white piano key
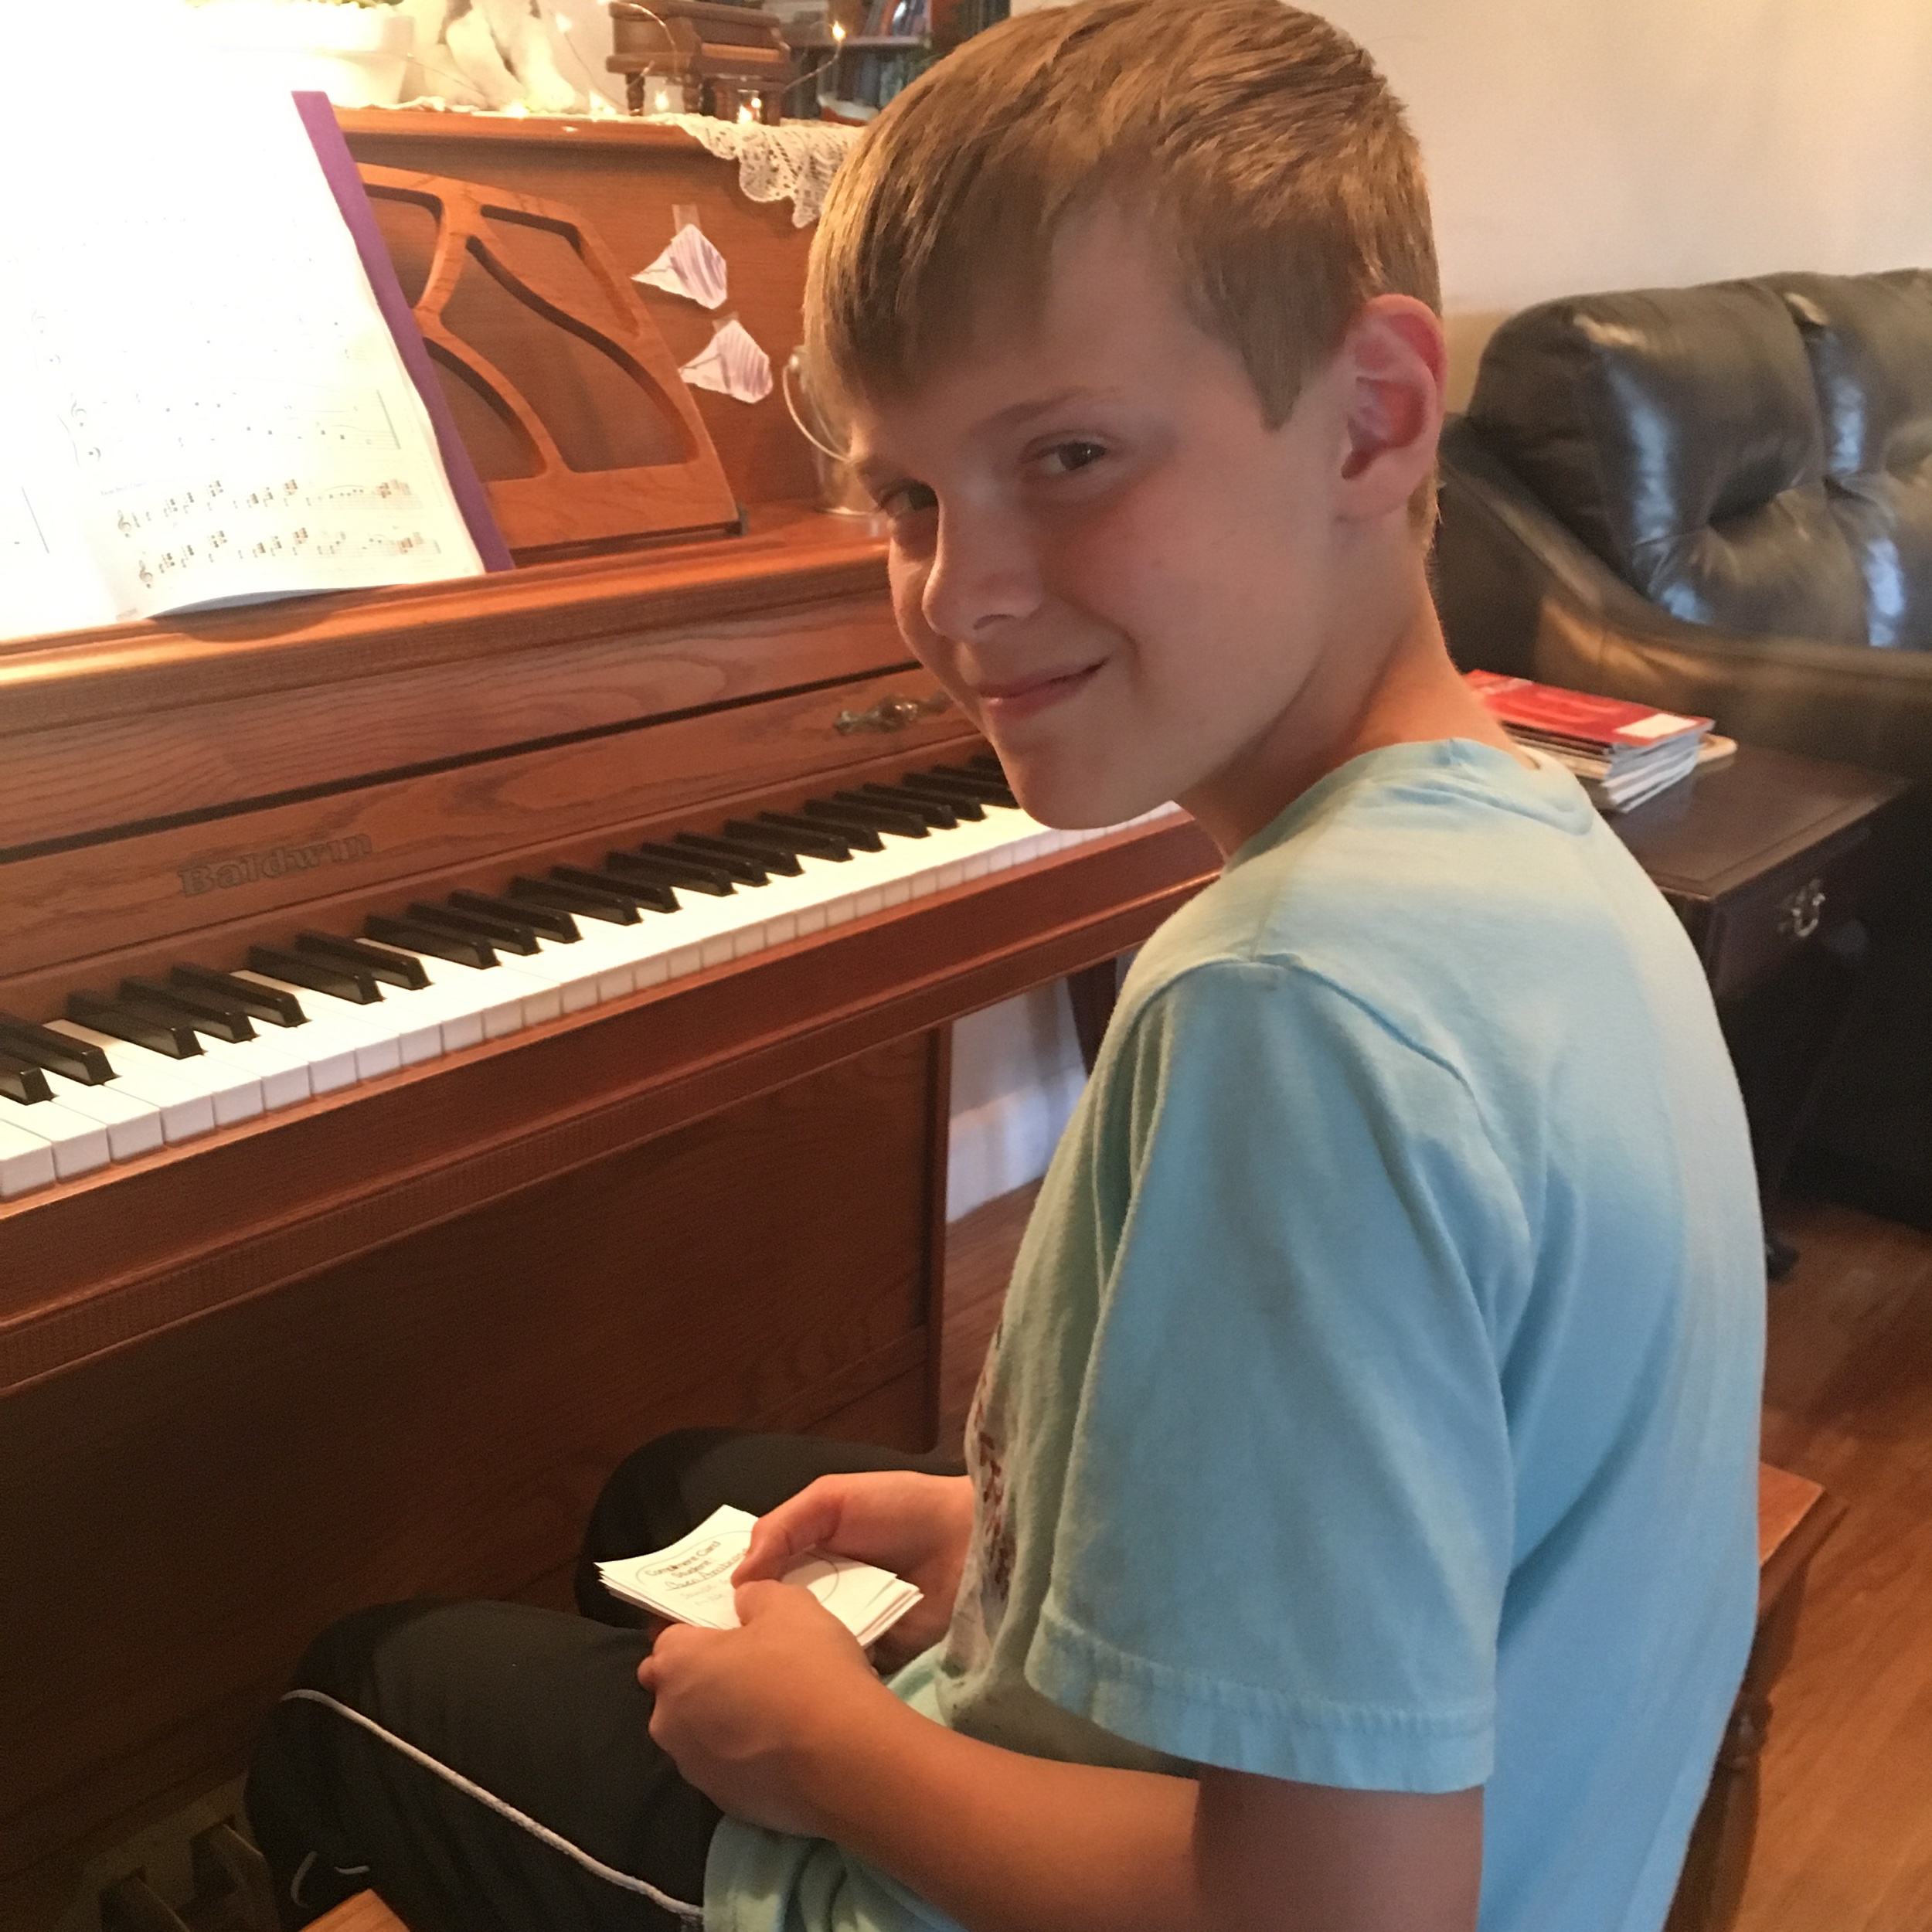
column 273, row 1058
column 599, row 949
column 475, row 1003
column 26, row 1162
column 132, row 1126
column 79, row 1144
column 374, row 1039
column 573, row 971
column 232, row 1097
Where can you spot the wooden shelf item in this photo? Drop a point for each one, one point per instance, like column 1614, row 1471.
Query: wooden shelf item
column 728, row 56
column 565, row 394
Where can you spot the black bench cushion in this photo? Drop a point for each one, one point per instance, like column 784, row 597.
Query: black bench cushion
column 1677, row 433
column 1869, row 340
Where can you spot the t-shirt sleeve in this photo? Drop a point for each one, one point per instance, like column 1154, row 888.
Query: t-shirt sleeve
column 1288, row 1520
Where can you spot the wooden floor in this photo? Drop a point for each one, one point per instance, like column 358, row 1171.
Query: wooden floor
column 1846, row 1841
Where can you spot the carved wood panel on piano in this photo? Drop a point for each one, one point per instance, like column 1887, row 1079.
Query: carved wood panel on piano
column 387, row 1337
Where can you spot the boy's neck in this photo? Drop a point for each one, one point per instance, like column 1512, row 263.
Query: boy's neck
column 1367, row 692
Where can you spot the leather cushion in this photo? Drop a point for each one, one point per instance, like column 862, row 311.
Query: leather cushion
column 1869, row 340
column 1677, row 433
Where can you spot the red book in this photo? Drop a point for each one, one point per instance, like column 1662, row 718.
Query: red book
column 1577, row 719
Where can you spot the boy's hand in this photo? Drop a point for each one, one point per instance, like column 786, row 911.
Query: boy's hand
column 748, row 1715
column 917, row 1526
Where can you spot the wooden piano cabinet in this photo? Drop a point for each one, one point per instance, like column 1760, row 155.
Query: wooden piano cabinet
column 435, row 1418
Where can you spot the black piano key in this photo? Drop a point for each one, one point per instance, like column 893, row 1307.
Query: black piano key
column 203, row 1011
column 990, row 790
column 464, row 949
column 506, row 935
column 856, row 837
column 640, row 893
column 988, row 761
column 740, row 872
column 965, row 804
column 748, row 867
column 691, row 875
column 769, row 858
column 557, row 896
column 21, row 1080
column 259, row 1002
column 818, row 842
column 77, row 1059
column 385, row 967
column 901, row 825
column 307, row 969
column 939, row 816
column 545, row 919
column 175, row 1038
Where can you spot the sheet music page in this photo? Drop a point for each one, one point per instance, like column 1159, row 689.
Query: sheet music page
column 210, row 404
column 49, row 580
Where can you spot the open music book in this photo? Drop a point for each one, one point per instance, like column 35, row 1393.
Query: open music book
column 201, row 400
column 690, row 1582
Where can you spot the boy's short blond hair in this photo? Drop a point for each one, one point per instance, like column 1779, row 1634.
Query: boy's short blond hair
column 1264, row 144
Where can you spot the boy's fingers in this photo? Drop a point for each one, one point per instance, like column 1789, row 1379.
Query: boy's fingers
column 780, row 1538
column 754, row 1599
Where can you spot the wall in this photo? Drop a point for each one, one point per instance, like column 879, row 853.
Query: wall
column 1575, row 144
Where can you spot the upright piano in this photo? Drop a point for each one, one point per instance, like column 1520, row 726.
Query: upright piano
column 694, row 869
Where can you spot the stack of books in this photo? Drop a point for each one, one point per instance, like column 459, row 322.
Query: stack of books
column 1623, row 752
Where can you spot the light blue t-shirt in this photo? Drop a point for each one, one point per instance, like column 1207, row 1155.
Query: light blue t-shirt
column 1376, row 1402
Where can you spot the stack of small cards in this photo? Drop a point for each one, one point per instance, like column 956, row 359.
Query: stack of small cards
column 690, row 1583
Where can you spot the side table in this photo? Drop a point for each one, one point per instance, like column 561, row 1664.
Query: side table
column 1765, row 860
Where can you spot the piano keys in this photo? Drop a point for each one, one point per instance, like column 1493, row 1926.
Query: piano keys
column 327, row 1011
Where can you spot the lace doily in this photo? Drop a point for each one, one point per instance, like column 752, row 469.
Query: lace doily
column 794, row 162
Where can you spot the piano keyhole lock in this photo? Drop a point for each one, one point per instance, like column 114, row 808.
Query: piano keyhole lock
column 891, row 713
column 1799, row 913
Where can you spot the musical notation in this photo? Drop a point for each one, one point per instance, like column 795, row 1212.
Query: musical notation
column 218, row 409
column 272, row 522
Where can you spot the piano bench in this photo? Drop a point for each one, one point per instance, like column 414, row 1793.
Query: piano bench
column 364, row 1913
column 1795, row 1516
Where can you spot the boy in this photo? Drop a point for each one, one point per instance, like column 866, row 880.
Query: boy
column 1359, row 1531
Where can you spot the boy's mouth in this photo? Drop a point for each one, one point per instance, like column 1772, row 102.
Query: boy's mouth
column 1025, row 697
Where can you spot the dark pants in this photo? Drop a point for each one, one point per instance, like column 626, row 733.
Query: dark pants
column 487, row 1768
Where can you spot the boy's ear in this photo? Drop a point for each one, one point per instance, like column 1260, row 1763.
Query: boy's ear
column 1393, row 365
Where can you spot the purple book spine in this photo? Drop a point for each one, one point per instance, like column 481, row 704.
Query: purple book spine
column 339, row 167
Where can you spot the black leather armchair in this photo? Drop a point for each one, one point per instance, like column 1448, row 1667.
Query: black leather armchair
column 1720, row 500
column 1716, row 499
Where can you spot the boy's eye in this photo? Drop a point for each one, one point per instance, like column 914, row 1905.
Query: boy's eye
column 1064, row 458
column 907, row 499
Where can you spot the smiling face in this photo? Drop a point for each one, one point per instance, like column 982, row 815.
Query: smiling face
column 1134, row 586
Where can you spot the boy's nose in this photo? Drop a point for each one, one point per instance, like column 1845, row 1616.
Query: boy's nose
column 983, row 576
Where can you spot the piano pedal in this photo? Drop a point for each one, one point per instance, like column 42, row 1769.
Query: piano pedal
column 232, row 1890
column 228, row 1868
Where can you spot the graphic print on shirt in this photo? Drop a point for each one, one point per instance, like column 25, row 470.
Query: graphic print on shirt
column 989, row 1580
